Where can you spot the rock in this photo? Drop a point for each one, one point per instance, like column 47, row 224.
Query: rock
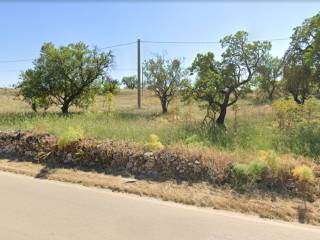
column 28, row 153
column 147, row 155
column 109, row 155
column 150, row 164
column 68, row 159
column 129, row 165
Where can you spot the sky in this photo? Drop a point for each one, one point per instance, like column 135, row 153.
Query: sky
column 25, row 26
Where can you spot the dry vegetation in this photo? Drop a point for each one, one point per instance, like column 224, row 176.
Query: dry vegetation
column 178, row 130
column 200, row 194
column 126, row 122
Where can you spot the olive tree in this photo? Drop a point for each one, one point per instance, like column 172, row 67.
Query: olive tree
column 165, row 77
column 220, row 84
column 302, row 60
column 65, row 76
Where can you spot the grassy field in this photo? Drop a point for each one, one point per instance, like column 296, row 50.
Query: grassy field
column 125, row 122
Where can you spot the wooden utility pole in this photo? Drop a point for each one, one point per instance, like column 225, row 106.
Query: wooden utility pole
column 139, row 73
column 142, row 82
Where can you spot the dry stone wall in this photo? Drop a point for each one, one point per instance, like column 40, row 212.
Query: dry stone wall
column 121, row 157
column 110, row 156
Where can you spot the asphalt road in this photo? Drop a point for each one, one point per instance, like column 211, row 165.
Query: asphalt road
column 32, row 209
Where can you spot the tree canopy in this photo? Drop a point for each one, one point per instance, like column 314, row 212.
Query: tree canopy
column 268, row 77
column 220, row 84
column 165, row 77
column 131, row 82
column 110, row 85
column 302, row 60
column 65, row 76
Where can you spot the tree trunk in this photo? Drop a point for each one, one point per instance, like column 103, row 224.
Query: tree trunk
column 271, row 92
column 223, row 109
column 164, row 105
column 34, row 107
column 65, row 108
column 270, row 95
column 222, row 115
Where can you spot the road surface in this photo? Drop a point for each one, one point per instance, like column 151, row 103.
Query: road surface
column 32, row 209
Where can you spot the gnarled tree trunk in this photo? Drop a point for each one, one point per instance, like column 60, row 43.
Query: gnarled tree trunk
column 223, row 110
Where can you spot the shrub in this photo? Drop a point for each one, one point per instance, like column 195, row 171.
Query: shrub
column 110, row 86
column 286, row 112
column 153, row 143
column 247, row 175
column 306, row 178
column 310, row 107
column 299, row 128
column 71, row 135
column 109, row 100
column 304, row 139
column 304, row 174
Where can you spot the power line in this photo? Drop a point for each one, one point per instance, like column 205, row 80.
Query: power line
column 31, row 59
column 278, row 39
column 17, row 60
column 205, row 42
column 119, row 45
column 178, row 42
column 11, row 70
column 123, row 69
column 148, row 42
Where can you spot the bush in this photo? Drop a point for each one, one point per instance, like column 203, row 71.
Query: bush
column 303, row 174
column 69, row 136
column 299, row 127
column 286, row 112
column 153, row 143
column 306, row 178
column 247, row 175
column 268, row 170
column 110, row 86
column 305, row 140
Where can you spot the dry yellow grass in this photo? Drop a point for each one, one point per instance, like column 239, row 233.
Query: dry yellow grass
column 203, row 195
column 126, row 101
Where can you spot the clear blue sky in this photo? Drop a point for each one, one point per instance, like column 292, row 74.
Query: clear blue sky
column 25, row 26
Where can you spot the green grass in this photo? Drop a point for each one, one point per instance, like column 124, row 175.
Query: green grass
column 97, row 125
column 255, row 128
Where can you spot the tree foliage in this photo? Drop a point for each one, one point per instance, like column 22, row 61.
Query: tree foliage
column 110, row 85
column 268, row 77
column 302, row 60
column 33, row 91
column 219, row 84
column 65, row 76
column 299, row 82
column 131, row 82
column 165, row 78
